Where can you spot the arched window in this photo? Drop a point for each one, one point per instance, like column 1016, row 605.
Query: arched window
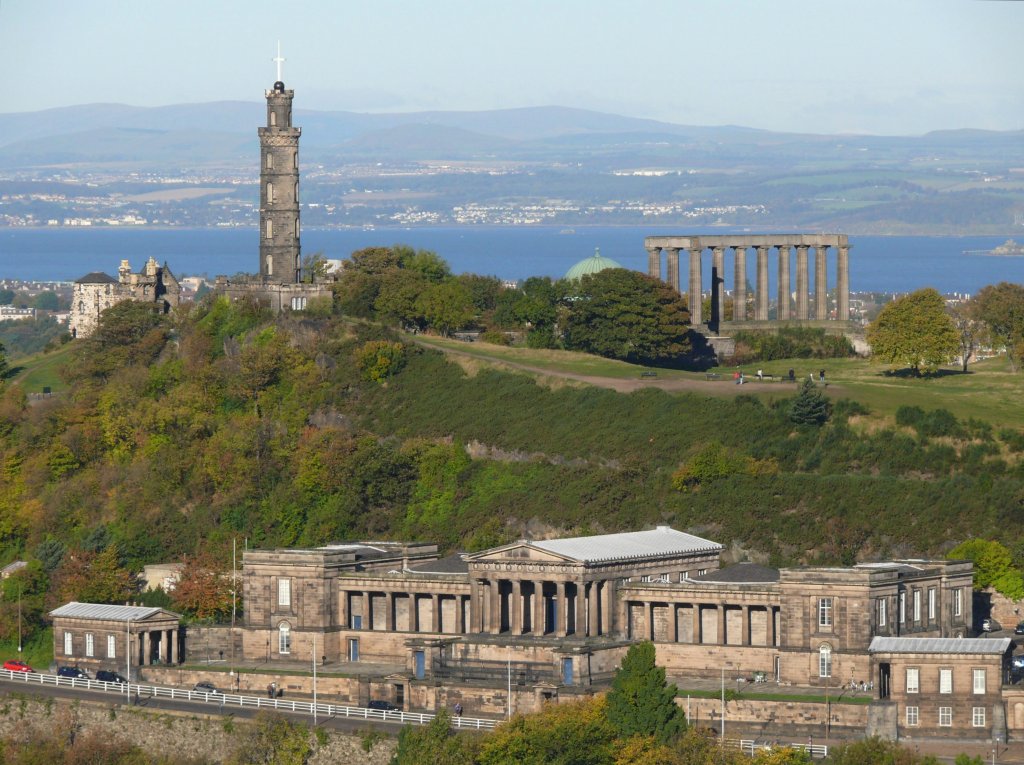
column 270, row 192
column 270, row 229
column 81, row 306
column 825, row 660
column 296, row 228
column 270, row 161
column 284, row 638
column 296, row 191
column 270, row 264
column 273, row 119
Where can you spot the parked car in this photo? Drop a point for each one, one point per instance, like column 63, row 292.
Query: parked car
column 205, row 687
column 107, row 676
column 1019, row 629
column 14, row 665
column 72, row 672
column 385, row 706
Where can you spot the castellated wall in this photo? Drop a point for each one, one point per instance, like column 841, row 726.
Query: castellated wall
column 27, row 718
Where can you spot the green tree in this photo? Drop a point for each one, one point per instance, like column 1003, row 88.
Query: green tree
column 3, row 363
column 970, row 329
column 627, row 315
column 1001, row 308
column 6, row 297
column 434, row 743
column 810, row 406
column 561, row 734
column 914, row 330
column 273, row 739
column 380, row 359
column 429, row 265
column 446, row 307
column 640, row 701
column 314, row 267
column 46, row 301
column 203, row 588
column 374, row 260
column 993, row 566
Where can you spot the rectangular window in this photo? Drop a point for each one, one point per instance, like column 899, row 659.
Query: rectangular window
column 917, row 606
column 978, row 717
column 931, row 604
column 903, row 607
column 824, row 612
column 353, row 649
column 284, row 593
column 68, row 644
column 912, row 716
column 913, row 680
column 881, row 612
column 111, row 646
column 945, row 680
column 958, row 605
column 945, row 716
column 270, row 229
column 979, row 680
column 90, row 645
column 284, row 639
column 270, row 161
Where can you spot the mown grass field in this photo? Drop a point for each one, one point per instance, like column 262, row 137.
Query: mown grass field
column 42, row 370
column 989, row 391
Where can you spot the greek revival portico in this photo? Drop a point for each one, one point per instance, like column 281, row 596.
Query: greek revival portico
column 787, row 308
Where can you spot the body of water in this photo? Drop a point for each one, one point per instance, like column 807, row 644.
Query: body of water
column 877, row 263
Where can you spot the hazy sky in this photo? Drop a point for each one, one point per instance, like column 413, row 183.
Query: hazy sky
column 875, row 66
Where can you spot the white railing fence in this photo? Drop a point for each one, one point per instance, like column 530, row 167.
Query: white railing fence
column 226, row 701
column 748, row 746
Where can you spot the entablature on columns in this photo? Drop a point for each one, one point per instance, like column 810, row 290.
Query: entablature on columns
column 746, row 240
column 731, row 594
column 402, row 585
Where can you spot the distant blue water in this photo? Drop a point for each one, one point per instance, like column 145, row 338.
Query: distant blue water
column 884, row 264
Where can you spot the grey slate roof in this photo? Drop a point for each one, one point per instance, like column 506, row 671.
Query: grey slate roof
column 939, row 645
column 634, row 544
column 97, row 277
column 741, row 573
column 452, row 564
column 106, row 612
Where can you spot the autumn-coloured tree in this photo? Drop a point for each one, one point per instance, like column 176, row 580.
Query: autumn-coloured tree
column 94, row 578
column 203, row 588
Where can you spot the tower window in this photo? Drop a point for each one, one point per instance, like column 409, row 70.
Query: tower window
column 270, row 229
column 273, row 119
column 270, row 266
column 296, row 228
column 296, row 191
column 270, row 161
column 270, row 193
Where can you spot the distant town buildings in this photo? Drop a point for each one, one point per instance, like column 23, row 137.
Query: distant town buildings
column 95, row 292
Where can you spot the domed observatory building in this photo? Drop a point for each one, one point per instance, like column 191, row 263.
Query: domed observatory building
column 591, row 265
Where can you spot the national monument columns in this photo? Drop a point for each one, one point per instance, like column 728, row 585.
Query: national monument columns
column 792, row 302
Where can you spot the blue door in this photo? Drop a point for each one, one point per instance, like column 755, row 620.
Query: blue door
column 420, row 664
column 566, row 671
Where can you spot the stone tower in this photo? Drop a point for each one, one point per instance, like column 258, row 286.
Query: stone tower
column 279, row 188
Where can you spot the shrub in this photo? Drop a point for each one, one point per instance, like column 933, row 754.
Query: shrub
column 380, row 359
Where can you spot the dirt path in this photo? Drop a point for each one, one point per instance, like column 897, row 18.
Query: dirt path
column 723, row 387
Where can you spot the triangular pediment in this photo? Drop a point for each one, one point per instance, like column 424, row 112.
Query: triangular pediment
column 519, row 552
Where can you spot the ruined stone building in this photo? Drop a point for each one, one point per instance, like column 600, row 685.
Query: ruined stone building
column 97, row 291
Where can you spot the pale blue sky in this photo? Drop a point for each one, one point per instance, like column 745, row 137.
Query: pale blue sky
column 874, row 66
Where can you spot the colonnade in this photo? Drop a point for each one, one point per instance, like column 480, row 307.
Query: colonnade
column 162, row 642
column 676, row 626
column 369, row 618
column 763, row 244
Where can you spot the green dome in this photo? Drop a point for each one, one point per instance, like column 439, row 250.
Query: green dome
column 591, row 265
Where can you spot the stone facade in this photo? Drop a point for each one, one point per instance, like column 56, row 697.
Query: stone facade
column 96, row 292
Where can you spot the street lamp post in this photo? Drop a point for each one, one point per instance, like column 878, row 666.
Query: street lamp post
column 21, row 586
column 128, row 662
column 312, row 658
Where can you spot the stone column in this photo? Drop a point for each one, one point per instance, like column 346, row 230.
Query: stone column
column 820, row 282
column 495, row 600
column 720, row 609
column 165, row 646
column 389, row 611
column 672, row 267
column 697, row 637
column 515, row 608
column 580, row 625
column 460, row 616
column 649, row 610
column 739, row 292
column 608, row 607
column 435, row 616
column 474, row 606
column 174, row 647
column 843, row 284
column 561, row 610
column 147, row 649
column 771, row 626
column 537, row 624
column 802, row 282
column 593, row 610
column 745, row 629
column 343, row 609
column 654, row 262
column 674, row 612
column 783, row 309
column 693, row 288
column 718, row 288
column 761, row 294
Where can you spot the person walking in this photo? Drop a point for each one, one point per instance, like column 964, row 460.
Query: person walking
column 458, row 709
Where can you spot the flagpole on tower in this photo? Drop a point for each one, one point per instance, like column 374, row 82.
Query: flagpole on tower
column 279, row 59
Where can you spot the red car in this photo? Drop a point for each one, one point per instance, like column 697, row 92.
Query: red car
column 13, row 665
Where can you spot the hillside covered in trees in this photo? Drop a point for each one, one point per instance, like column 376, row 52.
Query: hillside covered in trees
column 181, row 433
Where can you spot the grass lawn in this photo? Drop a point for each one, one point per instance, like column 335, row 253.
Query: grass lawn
column 36, row 372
